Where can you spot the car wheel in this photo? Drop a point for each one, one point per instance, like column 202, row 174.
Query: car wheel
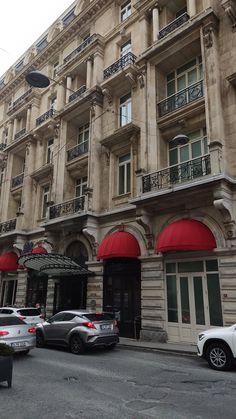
column 219, row 357
column 25, row 352
column 39, row 339
column 76, row 345
column 110, row 347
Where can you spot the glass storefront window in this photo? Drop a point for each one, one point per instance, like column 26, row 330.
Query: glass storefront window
column 185, row 310
column 198, row 298
column 211, row 265
column 193, row 266
column 214, row 297
column 172, row 298
column 170, row 268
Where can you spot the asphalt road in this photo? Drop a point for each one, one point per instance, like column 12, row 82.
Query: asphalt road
column 54, row 384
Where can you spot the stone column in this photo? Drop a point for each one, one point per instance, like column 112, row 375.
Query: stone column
column 10, row 131
column 95, row 287
column 155, row 22
column 61, row 96
column 28, row 118
column 153, row 300
column 214, row 109
column 50, row 297
column 89, row 73
column 98, row 66
column 142, row 38
column 21, row 287
column 69, row 87
column 28, row 195
column 191, row 7
column 14, row 129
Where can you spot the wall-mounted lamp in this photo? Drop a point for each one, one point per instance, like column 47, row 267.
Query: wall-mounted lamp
column 180, row 139
column 37, row 79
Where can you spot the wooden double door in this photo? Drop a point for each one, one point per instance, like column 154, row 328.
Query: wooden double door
column 122, row 294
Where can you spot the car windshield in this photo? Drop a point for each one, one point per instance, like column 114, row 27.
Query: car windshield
column 97, row 317
column 10, row 321
column 29, row 312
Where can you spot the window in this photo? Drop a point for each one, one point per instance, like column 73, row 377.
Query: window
column 125, row 113
column 54, row 103
column 45, row 200
column 50, row 145
column 125, row 10
column 125, row 48
column 54, row 69
column 124, row 174
column 42, row 44
column 5, row 135
column 186, row 160
column 181, row 12
column 1, row 176
column 184, row 76
column 81, row 185
column 83, row 138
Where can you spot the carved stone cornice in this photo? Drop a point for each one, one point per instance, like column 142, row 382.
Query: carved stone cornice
column 210, row 27
column 229, row 7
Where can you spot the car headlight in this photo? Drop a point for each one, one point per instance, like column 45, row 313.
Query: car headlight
column 201, row 336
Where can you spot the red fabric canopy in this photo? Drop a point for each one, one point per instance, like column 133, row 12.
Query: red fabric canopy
column 39, row 250
column 117, row 245
column 185, row 235
column 8, row 262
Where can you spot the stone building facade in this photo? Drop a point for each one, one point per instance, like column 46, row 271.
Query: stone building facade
column 126, row 163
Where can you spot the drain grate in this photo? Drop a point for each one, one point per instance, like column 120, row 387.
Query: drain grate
column 70, row 378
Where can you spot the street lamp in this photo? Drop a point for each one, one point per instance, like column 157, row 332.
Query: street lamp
column 37, row 79
column 180, row 139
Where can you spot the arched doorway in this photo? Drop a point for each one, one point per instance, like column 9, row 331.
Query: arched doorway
column 70, row 291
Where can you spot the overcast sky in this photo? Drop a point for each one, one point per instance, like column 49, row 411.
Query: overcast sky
column 22, row 22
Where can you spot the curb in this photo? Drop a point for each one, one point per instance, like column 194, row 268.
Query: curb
column 162, row 350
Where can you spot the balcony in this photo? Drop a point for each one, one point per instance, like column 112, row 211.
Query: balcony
column 20, row 101
column 77, row 94
column 79, row 49
column 17, row 181
column 2, row 146
column 19, row 134
column 49, row 114
column 179, row 21
column 8, row 226
column 77, row 151
column 180, row 99
column 180, row 173
column 70, row 207
column 126, row 60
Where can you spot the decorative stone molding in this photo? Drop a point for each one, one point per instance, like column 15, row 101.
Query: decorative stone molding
column 108, row 95
column 30, row 54
column 143, row 218
column 229, row 7
column 132, row 79
column 55, row 30
column 210, row 27
column 223, row 202
column 91, row 234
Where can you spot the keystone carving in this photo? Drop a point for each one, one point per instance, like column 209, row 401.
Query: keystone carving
column 108, row 95
column 91, row 235
column 143, row 219
column 229, row 7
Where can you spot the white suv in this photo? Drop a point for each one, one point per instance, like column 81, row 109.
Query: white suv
column 218, row 347
column 30, row 315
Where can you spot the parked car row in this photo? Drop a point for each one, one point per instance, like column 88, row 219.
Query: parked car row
column 30, row 315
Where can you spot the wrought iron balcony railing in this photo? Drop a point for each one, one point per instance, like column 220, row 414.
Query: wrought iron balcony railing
column 7, row 226
column 67, row 208
column 80, row 48
column 17, row 180
column 179, row 21
column 21, row 98
column 182, row 98
column 78, row 93
column 2, row 146
column 179, row 173
column 49, row 114
column 77, row 151
column 127, row 59
column 20, row 134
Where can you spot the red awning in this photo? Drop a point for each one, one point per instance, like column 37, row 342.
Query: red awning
column 39, row 250
column 8, row 262
column 118, row 245
column 185, row 235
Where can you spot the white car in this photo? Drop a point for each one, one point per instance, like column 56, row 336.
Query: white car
column 218, row 347
column 30, row 315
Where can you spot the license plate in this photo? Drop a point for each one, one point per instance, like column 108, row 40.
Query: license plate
column 18, row 344
column 105, row 327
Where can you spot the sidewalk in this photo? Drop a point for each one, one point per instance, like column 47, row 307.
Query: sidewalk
column 177, row 348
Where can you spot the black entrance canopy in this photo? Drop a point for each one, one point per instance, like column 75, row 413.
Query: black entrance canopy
column 50, row 264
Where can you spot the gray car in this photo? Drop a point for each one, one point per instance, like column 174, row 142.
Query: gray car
column 16, row 333
column 78, row 330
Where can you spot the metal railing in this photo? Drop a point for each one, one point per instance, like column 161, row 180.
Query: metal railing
column 49, row 114
column 67, row 208
column 20, row 134
column 78, row 93
column 181, row 98
column 179, row 21
column 21, row 98
column 7, row 226
column 80, row 48
column 127, row 59
column 17, row 180
column 77, row 151
column 2, row 146
column 179, row 173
